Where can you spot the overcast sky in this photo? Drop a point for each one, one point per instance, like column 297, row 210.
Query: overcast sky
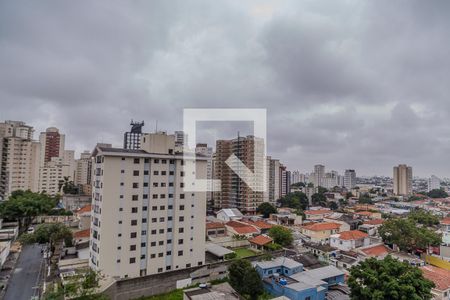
column 350, row 84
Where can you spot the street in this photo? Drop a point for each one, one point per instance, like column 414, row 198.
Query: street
column 26, row 274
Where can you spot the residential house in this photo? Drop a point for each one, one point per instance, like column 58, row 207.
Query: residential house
column 241, row 228
column 260, row 242
column 371, row 226
column 320, row 232
column 229, row 214
column 215, row 229
column 441, row 279
column 83, row 215
column 378, row 251
column 349, row 240
column 262, row 226
column 317, row 214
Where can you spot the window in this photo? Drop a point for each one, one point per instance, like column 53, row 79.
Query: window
column 119, row 235
column 154, row 220
column 144, row 208
column 170, row 183
column 152, row 255
column 164, row 161
column 123, row 158
column 121, row 196
column 120, row 222
column 156, row 161
column 143, row 256
column 181, row 184
column 134, row 210
column 161, row 219
column 122, row 171
column 171, row 161
column 171, row 173
column 162, row 196
column 135, row 173
column 162, row 207
column 161, row 231
column 153, row 231
column 188, row 265
column 132, row 260
column 155, row 196
column 160, row 254
column 118, row 248
column 135, row 197
column 133, row 235
column 169, row 229
column 161, row 243
column 137, row 160
column 155, row 184
column 181, row 218
column 180, row 242
column 143, row 245
column 154, row 208
column 146, row 160
column 155, row 172
column 121, row 184
column 145, row 172
column 181, row 196
column 170, row 207
column 182, row 173
column 170, row 218
column 118, row 261
column 144, row 220
column 120, row 208
column 168, row 268
column 132, row 247
column 181, row 230
column 181, row 207
column 163, row 172
column 135, row 185
column 160, row 269
column 169, row 241
column 145, row 196
column 180, row 253
column 145, row 184
column 152, row 244
column 144, row 232
column 163, row 184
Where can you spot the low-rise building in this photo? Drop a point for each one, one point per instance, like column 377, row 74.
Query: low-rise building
column 320, row 232
column 260, row 242
column 229, row 214
column 317, row 214
column 349, row 240
column 215, row 229
column 241, row 228
column 441, row 279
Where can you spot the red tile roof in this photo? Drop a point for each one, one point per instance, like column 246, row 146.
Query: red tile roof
column 363, row 213
column 378, row 250
column 445, row 221
column 241, row 228
column 85, row 209
column 352, row 235
column 318, row 212
column 374, row 222
column 322, row 226
column 440, row 277
column 259, row 224
column 82, row 234
column 261, row 240
column 214, row 225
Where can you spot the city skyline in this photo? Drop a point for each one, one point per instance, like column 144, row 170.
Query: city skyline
column 333, row 83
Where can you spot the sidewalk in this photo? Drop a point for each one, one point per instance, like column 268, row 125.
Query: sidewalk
column 8, row 267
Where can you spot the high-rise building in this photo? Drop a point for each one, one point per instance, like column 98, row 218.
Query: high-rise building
column 144, row 222
column 52, row 144
column 403, row 180
column 83, row 174
column 434, row 183
column 331, row 180
column 349, row 179
column 235, row 193
column 180, row 138
column 319, row 175
column 207, row 152
column 57, row 165
column 285, row 181
column 295, row 177
column 132, row 139
column 273, row 180
column 19, row 164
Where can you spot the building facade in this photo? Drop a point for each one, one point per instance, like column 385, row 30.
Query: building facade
column 434, row 183
column 144, row 222
column 19, row 164
column 132, row 138
column 349, row 179
column 403, row 180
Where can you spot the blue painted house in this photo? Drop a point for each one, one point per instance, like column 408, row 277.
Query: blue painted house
column 286, row 277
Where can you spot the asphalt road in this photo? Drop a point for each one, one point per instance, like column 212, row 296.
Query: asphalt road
column 25, row 276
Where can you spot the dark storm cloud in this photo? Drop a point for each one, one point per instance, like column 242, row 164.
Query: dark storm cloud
column 352, row 84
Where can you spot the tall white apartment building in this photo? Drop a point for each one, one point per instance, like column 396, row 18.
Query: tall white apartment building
column 19, row 158
column 84, row 169
column 144, row 221
column 207, row 152
column 434, row 183
column 319, row 175
column 295, row 177
column 403, row 180
column 349, row 179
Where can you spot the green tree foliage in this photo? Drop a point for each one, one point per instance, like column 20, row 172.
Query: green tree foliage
column 333, row 205
column 365, row 199
column 281, row 235
column 68, row 187
column 49, row 233
column 23, row 206
column 407, row 235
column 438, row 193
column 321, row 190
column 244, row 279
column 266, row 209
column 348, row 195
column 319, row 199
column 296, row 200
column 389, row 278
column 298, row 184
column 423, row 217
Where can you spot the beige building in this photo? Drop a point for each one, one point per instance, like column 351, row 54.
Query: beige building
column 19, row 164
column 403, row 180
column 83, row 173
column 144, row 222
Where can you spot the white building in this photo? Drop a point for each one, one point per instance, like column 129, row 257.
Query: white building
column 349, row 179
column 319, row 175
column 144, row 221
column 403, row 175
column 207, row 152
column 434, row 183
column 349, row 240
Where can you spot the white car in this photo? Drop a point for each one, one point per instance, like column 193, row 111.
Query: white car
column 30, row 229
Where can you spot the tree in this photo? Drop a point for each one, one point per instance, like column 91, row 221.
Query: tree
column 281, row 235
column 437, row 193
column 407, row 236
column 68, row 187
column 319, row 199
column 389, row 278
column 298, row 184
column 244, row 279
column 23, row 206
column 51, row 233
column 333, row 205
column 423, row 217
column 266, row 209
column 296, row 200
column 365, row 199
column 348, row 195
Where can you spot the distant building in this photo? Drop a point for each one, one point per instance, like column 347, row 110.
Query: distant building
column 285, row 179
column 434, row 183
column 349, row 179
column 207, row 152
column 403, row 180
column 132, row 139
column 319, row 175
column 19, row 158
column 295, row 177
